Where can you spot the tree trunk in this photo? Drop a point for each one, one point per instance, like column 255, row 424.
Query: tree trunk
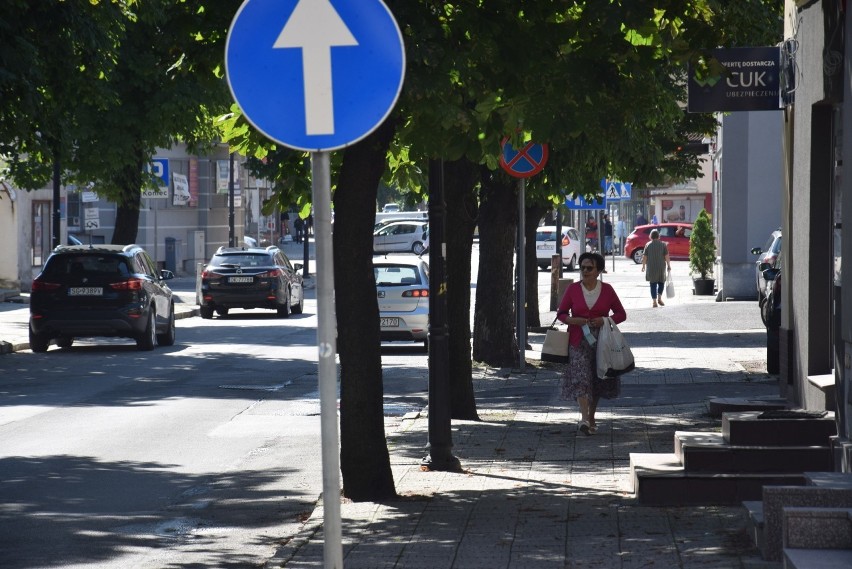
column 364, row 458
column 533, row 216
column 129, row 182
column 460, row 179
column 494, row 341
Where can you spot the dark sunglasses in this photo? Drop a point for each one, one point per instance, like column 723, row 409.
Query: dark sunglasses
column 588, row 267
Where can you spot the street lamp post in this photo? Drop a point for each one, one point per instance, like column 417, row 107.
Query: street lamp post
column 440, row 434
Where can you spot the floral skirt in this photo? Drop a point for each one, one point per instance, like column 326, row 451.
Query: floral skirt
column 579, row 377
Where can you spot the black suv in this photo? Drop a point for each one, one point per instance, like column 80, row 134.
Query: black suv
column 101, row 290
column 251, row 277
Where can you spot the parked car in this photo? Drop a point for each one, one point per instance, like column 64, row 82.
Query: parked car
column 251, row 277
column 401, row 236
column 402, row 289
column 545, row 246
column 101, row 290
column 770, row 307
column 389, row 207
column 769, row 254
column 675, row 235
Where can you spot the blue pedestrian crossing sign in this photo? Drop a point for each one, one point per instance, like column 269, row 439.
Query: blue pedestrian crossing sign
column 315, row 75
column 616, row 191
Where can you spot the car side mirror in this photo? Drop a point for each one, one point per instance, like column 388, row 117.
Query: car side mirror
column 166, row 275
column 756, row 251
column 763, row 266
column 298, row 266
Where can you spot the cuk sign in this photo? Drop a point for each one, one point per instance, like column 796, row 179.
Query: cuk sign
column 747, row 81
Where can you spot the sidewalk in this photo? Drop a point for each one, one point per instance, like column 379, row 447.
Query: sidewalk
column 533, row 494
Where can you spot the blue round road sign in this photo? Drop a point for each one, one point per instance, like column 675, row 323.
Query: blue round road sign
column 315, row 75
column 523, row 163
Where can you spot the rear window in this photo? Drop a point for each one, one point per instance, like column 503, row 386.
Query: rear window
column 87, row 265
column 545, row 235
column 242, row 260
column 396, row 275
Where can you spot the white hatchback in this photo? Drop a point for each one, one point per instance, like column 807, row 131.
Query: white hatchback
column 545, row 246
column 402, row 289
column 401, row 236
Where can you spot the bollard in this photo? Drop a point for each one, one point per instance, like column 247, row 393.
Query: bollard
column 563, row 284
column 555, row 273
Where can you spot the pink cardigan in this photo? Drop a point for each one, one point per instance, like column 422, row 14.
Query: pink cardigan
column 574, row 305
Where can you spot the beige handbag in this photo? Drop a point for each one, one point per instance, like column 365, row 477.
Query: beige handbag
column 555, row 348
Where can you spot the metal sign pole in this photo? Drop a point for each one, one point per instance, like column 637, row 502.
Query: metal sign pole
column 327, row 343
column 522, row 289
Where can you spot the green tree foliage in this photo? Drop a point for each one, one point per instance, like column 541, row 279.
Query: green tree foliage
column 101, row 84
column 53, row 57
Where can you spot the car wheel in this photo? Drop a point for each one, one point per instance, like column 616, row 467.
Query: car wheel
column 764, row 310
column 300, row 306
column 222, row 311
column 571, row 263
column 284, row 309
column 542, row 267
column 637, row 255
column 206, row 312
column 167, row 338
column 418, row 248
column 64, row 341
column 38, row 342
column 148, row 338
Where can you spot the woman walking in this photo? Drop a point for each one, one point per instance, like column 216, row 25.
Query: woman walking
column 583, row 309
column 655, row 261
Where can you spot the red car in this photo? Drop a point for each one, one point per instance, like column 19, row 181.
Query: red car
column 676, row 236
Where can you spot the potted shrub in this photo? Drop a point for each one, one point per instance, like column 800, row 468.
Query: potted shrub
column 702, row 254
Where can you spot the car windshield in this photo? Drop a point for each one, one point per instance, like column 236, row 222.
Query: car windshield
column 89, row 265
column 396, row 275
column 242, row 260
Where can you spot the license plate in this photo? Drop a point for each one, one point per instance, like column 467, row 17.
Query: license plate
column 389, row 322
column 240, row 279
column 543, row 246
column 86, row 291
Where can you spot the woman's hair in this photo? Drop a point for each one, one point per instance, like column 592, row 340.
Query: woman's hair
column 598, row 259
column 655, row 234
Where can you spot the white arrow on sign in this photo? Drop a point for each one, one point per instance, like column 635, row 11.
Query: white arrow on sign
column 315, row 27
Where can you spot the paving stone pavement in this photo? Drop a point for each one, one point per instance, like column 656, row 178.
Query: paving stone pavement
column 533, row 494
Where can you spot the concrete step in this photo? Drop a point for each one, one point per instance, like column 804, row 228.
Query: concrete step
column 829, row 479
column 710, row 452
column 817, row 558
column 720, row 405
column 755, row 522
column 808, row 504
column 817, row 528
column 754, row 428
column 659, row 479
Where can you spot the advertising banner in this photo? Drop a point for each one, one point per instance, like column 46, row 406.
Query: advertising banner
column 746, row 80
column 181, row 194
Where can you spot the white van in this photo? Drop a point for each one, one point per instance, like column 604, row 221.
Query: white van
column 545, row 246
